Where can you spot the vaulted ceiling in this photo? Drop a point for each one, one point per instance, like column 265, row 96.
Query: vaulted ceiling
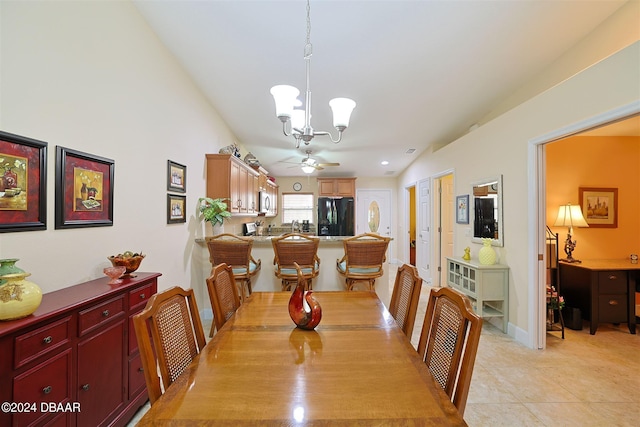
column 421, row 72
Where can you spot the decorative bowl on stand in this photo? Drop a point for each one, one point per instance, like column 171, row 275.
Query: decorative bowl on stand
column 115, row 273
column 131, row 262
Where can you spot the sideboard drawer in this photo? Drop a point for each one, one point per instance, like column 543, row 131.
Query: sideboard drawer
column 141, row 295
column 612, row 308
column 92, row 318
column 47, row 382
column 40, row 341
column 612, row 282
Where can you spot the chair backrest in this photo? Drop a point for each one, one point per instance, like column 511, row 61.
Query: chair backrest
column 449, row 342
column 170, row 336
column 405, row 297
column 365, row 250
column 293, row 248
column 222, row 292
column 230, row 249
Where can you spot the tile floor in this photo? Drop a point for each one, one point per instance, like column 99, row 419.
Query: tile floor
column 583, row 380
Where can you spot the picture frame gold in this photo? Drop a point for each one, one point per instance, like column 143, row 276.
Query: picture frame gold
column 599, row 206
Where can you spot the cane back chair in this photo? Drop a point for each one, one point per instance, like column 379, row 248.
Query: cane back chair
column 170, row 336
column 449, row 342
column 223, row 295
column 405, row 297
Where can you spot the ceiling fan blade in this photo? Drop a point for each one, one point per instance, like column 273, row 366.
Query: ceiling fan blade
column 318, row 167
column 328, row 164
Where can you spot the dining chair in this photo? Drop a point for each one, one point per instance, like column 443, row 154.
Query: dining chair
column 293, row 248
column 449, row 342
column 405, row 297
column 235, row 251
column 363, row 258
column 223, row 295
column 170, row 336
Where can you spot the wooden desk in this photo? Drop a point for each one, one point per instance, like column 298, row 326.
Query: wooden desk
column 356, row 368
column 604, row 290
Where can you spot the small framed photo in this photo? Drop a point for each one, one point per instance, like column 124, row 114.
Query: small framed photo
column 23, row 183
column 176, row 177
column 176, row 208
column 462, row 209
column 84, row 189
column 599, row 206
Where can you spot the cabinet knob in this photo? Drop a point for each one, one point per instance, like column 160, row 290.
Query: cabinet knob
column 47, row 389
column 613, row 302
column 142, row 296
column 140, row 369
column 47, row 340
column 105, row 313
column 613, row 277
column 85, row 387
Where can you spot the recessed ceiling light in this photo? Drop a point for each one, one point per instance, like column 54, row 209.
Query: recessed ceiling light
column 384, row 162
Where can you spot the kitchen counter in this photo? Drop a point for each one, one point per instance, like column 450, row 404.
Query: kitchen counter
column 330, row 250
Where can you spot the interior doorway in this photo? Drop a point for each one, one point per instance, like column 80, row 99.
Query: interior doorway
column 411, row 192
column 537, row 295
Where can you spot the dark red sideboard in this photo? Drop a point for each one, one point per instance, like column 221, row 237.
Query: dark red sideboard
column 75, row 361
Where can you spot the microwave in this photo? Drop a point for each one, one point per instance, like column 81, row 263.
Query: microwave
column 265, row 202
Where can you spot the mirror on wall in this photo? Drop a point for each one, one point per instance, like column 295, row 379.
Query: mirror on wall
column 487, row 210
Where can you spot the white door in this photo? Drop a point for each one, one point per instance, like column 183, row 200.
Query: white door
column 373, row 212
column 424, row 230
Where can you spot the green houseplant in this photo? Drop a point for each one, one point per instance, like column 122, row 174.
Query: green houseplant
column 213, row 210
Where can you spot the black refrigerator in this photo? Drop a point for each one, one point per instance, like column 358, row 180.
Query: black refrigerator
column 336, row 216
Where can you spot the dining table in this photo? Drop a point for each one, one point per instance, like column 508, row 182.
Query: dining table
column 356, row 368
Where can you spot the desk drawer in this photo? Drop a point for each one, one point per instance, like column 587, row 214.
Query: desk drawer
column 93, row 317
column 40, row 341
column 612, row 282
column 612, row 308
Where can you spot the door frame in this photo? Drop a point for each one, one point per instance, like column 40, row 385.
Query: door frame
column 436, row 214
column 536, row 171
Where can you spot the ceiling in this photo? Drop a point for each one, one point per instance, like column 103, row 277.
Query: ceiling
column 421, row 72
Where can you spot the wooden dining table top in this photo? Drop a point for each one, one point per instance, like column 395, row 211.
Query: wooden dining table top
column 357, row 368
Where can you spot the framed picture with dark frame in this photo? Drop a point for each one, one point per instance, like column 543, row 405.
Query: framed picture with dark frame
column 176, row 177
column 84, row 189
column 176, row 208
column 462, row 209
column 23, row 183
column 599, row 206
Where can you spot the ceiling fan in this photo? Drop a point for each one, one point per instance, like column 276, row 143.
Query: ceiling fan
column 309, row 165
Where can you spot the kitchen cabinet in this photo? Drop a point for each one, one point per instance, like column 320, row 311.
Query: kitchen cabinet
column 487, row 286
column 77, row 350
column 603, row 290
column 272, row 192
column 336, row 187
column 230, row 178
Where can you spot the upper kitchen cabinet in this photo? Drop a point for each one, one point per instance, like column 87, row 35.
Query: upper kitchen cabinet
column 229, row 177
column 336, row 187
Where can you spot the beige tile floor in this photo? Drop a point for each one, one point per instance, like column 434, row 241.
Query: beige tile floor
column 583, row 380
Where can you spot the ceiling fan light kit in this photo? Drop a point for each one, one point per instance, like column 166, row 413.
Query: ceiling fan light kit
column 285, row 97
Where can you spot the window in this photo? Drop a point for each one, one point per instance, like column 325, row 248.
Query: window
column 297, row 206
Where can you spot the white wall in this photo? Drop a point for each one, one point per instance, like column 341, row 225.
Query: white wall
column 91, row 76
column 502, row 147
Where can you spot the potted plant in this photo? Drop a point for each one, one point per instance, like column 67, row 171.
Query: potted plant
column 213, row 210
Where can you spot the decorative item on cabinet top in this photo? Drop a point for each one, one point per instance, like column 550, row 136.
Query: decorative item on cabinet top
column 128, row 259
column 18, row 297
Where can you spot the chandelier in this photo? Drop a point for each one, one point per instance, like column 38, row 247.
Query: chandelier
column 285, row 97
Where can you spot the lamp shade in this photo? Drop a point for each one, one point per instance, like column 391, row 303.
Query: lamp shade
column 569, row 216
column 342, row 108
column 285, row 97
column 308, row 169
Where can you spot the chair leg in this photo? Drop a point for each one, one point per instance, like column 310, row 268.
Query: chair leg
column 213, row 326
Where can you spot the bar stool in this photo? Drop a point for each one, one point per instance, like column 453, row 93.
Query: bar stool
column 235, row 251
column 363, row 257
column 295, row 248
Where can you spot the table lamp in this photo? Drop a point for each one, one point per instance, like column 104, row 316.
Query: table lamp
column 570, row 216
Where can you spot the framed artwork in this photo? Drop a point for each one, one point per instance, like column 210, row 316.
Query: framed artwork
column 599, row 206
column 176, row 177
column 176, row 208
column 84, row 189
column 23, row 183
column 462, row 209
